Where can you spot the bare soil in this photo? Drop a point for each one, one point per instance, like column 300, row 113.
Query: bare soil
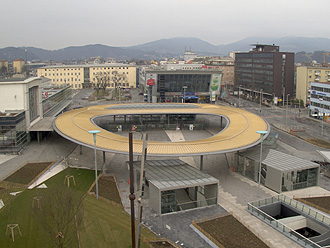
column 108, row 189
column 230, row 233
column 29, row 172
column 321, row 203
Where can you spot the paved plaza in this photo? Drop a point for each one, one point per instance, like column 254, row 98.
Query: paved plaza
column 235, row 191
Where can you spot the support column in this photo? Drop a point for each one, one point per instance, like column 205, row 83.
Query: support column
column 103, row 163
column 201, row 163
column 125, row 119
column 80, row 149
column 221, row 121
column 38, row 137
column 114, row 119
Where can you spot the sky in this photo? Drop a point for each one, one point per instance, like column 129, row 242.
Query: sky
column 62, row 23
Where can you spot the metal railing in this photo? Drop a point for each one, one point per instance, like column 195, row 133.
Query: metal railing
column 253, row 208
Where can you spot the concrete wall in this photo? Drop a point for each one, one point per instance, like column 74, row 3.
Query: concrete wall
column 155, row 198
column 274, row 179
column 12, row 96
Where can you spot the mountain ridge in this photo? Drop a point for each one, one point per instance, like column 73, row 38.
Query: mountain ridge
column 166, row 48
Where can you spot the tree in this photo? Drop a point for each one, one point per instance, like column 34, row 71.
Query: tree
column 58, row 213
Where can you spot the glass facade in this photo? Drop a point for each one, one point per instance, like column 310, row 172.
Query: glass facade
column 255, row 71
column 299, row 179
column 13, row 136
column 54, row 100
column 175, row 82
column 33, row 103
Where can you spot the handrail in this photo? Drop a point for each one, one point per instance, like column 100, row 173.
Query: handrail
column 298, row 235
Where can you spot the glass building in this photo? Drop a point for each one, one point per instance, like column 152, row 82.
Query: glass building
column 198, row 86
column 279, row 171
column 13, row 136
column 173, row 185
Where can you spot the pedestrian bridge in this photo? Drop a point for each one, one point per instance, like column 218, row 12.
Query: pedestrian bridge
column 240, row 132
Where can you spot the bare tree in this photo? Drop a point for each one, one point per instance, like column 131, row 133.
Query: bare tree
column 57, row 213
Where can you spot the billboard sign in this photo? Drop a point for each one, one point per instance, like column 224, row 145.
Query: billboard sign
column 151, row 79
column 215, row 83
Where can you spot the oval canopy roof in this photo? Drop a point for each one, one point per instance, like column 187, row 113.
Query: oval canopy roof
column 240, row 132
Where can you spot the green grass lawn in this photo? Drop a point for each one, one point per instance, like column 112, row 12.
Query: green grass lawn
column 104, row 224
column 107, row 225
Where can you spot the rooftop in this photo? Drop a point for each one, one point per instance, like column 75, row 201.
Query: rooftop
column 174, row 174
column 279, row 160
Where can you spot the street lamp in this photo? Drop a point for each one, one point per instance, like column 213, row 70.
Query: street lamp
column 94, row 132
column 321, row 100
column 184, row 93
column 286, row 109
column 262, row 134
column 260, row 99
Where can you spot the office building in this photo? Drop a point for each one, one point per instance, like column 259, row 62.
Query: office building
column 305, row 76
column 27, row 109
column 265, row 71
column 319, row 100
column 85, row 76
column 199, row 86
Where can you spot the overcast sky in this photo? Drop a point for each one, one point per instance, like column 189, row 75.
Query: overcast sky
column 60, row 23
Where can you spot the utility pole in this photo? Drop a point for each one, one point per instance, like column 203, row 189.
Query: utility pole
column 131, row 196
column 141, row 188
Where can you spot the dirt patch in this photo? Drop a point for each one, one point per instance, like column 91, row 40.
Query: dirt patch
column 230, row 233
column 108, row 189
column 319, row 142
column 322, row 203
column 28, row 173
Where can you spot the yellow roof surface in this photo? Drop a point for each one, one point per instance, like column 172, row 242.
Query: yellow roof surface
column 240, row 133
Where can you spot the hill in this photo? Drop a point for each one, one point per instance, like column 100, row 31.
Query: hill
column 167, row 48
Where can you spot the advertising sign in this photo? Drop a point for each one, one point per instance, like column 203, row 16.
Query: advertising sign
column 215, row 83
column 151, row 79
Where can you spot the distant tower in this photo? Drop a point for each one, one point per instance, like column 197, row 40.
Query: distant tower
column 189, row 55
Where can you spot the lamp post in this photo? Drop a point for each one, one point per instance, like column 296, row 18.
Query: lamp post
column 262, row 134
column 94, row 132
column 184, row 93
column 321, row 100
column 260, row 99
column 286, row 109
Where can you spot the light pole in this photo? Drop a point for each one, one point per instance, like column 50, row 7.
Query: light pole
column 94, row 132
column 262, row 134
column 260, row 99
column 321, row 100
column 283, row 96
column 184, row 93
column 286, row 109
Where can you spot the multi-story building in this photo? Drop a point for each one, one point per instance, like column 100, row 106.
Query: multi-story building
column 3, row 66
column 84, row 76
column 24, row 107
column 161, row 85
column 305, row 76
column 18, row 65
column 265, row 71
column 319, row 99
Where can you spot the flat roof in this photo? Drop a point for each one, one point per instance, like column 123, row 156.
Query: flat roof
column 325, row 155
column 88, row 65
column 279, row 160
column 44, row 124
column 240, row 132
column 173, row 174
